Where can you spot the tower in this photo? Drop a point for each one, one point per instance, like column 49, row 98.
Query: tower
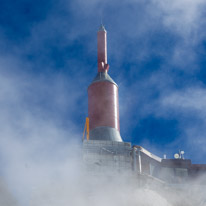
column 103, row 103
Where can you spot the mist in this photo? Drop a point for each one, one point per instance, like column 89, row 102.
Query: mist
column 42, row 161
column 41, row 156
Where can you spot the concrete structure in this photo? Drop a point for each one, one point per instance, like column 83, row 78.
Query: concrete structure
column 170, row 171
column 104, row 157
column 111, row 157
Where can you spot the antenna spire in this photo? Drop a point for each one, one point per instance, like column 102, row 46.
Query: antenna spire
column 102, row 49
column 102, row 28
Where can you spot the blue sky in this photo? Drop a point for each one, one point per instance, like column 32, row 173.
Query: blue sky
column 156, row 52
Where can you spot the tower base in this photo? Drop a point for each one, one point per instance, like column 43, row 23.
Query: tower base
column 105, row 133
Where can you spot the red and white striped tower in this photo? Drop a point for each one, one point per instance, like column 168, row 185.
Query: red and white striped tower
column 103, row 104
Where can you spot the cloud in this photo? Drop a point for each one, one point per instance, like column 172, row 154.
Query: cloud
column 186, row 20
column 34, row 139
column 183, row 17
column 189, row 99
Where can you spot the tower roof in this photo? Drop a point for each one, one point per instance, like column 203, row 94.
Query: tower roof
column 103, row 76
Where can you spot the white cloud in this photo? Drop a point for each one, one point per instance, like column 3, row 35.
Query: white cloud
column 182, row 16
column 34, row 142
column 190, row 99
